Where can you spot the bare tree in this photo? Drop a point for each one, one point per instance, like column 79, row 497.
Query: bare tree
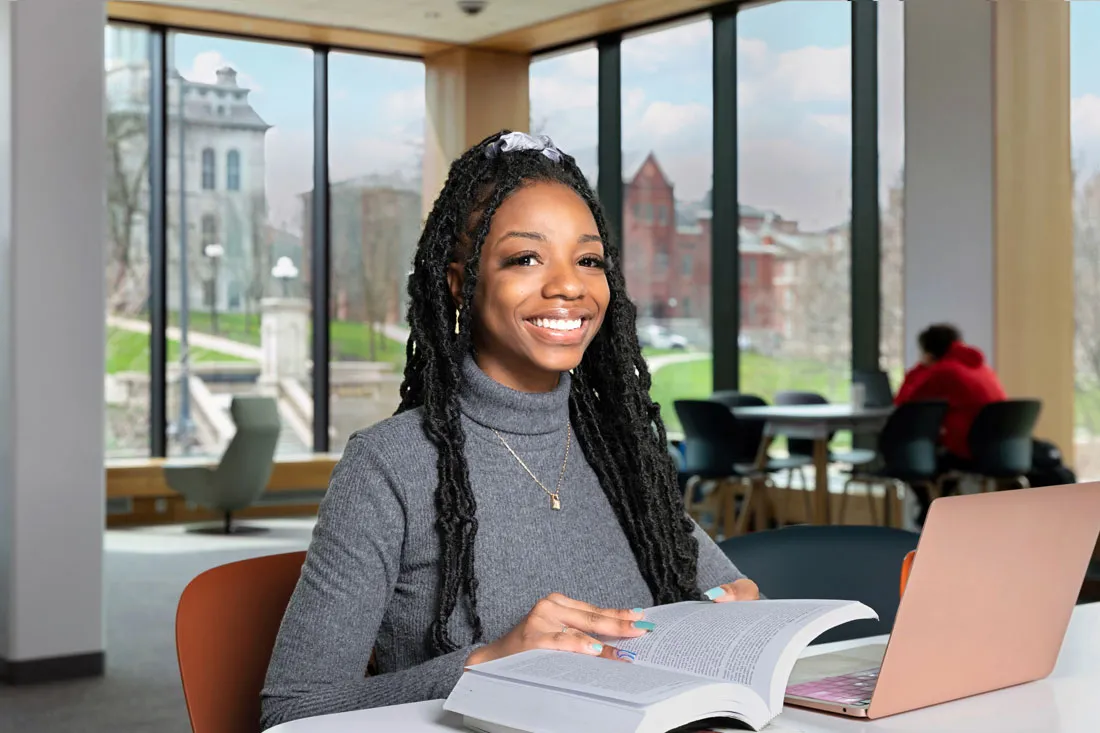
column 892, row 286
column 381, row 242
column 127, row 193
column 820, row 308
column 259, row 265
column 1087, row 291
column 539, row 125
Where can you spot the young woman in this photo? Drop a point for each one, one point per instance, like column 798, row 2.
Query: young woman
column 522, row 497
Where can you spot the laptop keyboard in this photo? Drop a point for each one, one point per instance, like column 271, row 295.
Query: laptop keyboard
column 848, row 689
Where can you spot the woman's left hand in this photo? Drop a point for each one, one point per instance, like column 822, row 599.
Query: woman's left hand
column 739, row 590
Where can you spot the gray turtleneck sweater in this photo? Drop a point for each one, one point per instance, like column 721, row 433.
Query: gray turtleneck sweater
column 370, row 580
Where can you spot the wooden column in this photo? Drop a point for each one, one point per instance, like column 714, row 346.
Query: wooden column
column 1033, row 210
column 471, row 93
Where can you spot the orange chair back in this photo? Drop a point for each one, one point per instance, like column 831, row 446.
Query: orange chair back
column 226, row 625
column 907, row 568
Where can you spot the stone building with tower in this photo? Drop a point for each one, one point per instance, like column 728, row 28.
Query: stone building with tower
column 228, row 242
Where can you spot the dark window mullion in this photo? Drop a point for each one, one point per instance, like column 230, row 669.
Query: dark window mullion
column 609, row 187
column 320, row 254
column 865, row 230
column 158, row 250
column 725, row 209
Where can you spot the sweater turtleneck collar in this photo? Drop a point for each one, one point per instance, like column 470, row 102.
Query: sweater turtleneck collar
column 491, row 404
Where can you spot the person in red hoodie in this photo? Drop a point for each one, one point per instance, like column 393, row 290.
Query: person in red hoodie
column 952, row 371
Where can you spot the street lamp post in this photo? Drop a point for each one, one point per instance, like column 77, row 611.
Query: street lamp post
column 284, row 271
column 183, row 430
column 214, row 253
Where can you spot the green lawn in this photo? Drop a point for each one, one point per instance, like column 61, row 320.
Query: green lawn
column 760, row 375
column 349, row 340
column 233, row 326
column 128, row 351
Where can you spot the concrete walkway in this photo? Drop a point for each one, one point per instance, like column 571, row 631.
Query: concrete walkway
column 392, row 331
column 194, row 338
column 659, row 362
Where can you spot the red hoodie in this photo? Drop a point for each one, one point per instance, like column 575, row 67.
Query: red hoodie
column 962, row 379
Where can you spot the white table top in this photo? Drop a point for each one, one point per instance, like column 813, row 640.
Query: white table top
column 814, row 413
column 1066, row 702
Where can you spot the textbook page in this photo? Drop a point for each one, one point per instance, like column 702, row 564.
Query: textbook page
column 636, row 685
column 740, row 642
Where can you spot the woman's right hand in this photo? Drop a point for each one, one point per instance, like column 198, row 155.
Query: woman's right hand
column 561, row 623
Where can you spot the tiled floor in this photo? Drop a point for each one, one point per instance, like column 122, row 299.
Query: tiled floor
column 145, row 572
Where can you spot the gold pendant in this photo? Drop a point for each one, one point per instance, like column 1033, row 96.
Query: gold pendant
column 555, row 502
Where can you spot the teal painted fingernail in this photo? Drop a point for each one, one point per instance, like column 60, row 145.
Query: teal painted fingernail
column 597, row 647
column 715, row 593
column 637, row 610
column 645, row 625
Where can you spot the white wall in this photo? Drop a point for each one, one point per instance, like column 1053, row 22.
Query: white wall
column 51, row 328
column 948, row 233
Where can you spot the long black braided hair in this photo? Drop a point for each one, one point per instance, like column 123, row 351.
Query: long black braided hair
column 617, row 425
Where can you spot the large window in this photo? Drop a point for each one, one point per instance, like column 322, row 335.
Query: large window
column 891, row 140
column 376, row 143
column 235, row 327
column 126, row 375
column 1085, row 91
column 242, row 234
column 794, row 177
column 667, row 164
column 564, row 103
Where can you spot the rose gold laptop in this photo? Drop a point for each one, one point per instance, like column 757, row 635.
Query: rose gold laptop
column 992, row 588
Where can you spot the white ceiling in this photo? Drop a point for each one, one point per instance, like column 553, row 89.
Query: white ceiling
column 438, row 20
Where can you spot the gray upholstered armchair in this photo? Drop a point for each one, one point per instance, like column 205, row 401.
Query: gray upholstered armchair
column 243, row 472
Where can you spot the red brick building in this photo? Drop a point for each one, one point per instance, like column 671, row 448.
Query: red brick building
column 668, row 258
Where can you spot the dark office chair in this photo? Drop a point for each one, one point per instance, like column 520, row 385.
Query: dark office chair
column 720, row 450
column 876, row 387
column 830, row 562
column 800, row 446
column 1000, row 443
column 805, row 447
column 732, row 398
column 906, row 454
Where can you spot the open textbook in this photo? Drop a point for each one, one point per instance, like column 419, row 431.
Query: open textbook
column 705, row 665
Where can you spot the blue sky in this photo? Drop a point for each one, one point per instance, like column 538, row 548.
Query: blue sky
column 793, row 84
column 1085, row 84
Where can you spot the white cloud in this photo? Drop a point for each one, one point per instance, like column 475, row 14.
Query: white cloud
column 1085, row 132
column 288, row 163
column 814, row 74
column 664, row 120
column 655, row 50
column 751, row 52
column 552, row 94
column 205, row 66
column 405, row 104
column 1085, row 117
column 799, row 177
column 794, row 125
column 836, row 124
column 633, row 99
column 583, row 64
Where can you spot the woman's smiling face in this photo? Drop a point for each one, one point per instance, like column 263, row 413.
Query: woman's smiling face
column 542, row 289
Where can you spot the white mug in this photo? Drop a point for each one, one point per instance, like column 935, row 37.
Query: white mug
column 859, row 395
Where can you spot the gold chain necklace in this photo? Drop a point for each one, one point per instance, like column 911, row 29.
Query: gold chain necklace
column 555, row 495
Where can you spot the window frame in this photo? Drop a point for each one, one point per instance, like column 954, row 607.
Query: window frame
column 209, row 169
column 233, row 170
column 725, row 260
